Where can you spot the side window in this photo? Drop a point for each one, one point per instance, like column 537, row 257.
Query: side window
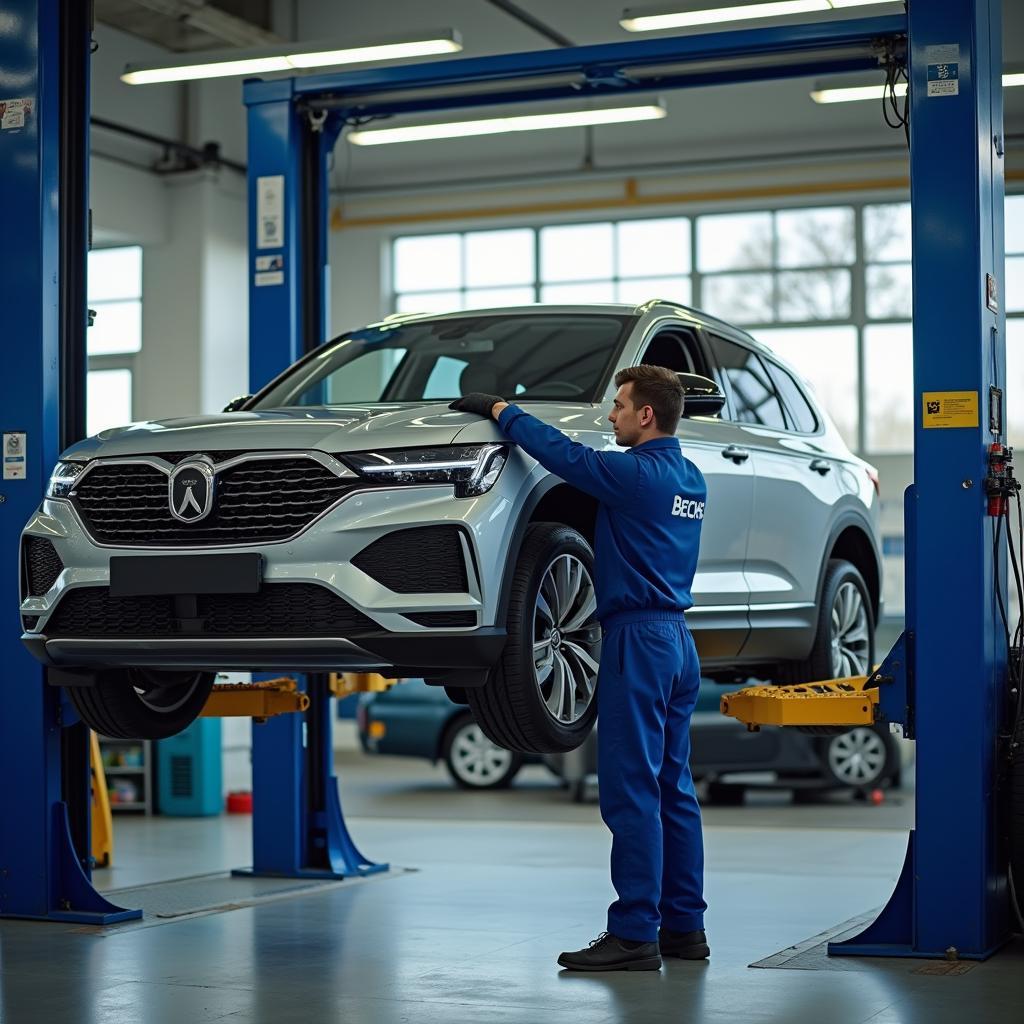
column 798, row 408
column 675, row 350
column 754, row 397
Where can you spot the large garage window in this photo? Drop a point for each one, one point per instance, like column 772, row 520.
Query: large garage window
column 827, row 287
column 115, row 296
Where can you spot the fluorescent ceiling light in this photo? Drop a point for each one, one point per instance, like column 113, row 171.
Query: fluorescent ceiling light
column 289, row 57
column 714, row 12
column 498, row 125
column 852, row 93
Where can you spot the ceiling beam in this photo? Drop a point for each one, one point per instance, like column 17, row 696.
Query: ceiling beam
column 198, row 14
column 541, row 27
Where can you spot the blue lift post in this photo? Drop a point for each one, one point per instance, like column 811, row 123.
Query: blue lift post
column 951, row 898
column 298, row 826
column 44, row 47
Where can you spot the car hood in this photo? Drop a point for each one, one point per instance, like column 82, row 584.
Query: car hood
column 355, row 428
column 335, row 429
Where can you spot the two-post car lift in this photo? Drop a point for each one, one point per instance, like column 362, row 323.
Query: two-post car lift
column 948, row 683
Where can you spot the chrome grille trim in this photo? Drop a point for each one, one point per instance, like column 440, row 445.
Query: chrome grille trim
column 135, row 514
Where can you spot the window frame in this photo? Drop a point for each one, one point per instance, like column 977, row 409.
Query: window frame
column 120, row 360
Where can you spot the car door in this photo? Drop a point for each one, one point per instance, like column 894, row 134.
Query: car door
column 796, row 487
column 718, row 619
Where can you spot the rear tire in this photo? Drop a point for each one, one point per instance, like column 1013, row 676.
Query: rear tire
column 141, row 704
column 541, row 697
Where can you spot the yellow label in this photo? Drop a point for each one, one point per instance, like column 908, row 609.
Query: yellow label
column 950, row 408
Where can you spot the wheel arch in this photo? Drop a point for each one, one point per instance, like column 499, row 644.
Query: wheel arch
column 551, row 500
column 851, row 541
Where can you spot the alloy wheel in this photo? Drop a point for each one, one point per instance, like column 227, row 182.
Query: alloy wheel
column 857, row 757
column 475, row 759
column 850, row 635
column 566, row 640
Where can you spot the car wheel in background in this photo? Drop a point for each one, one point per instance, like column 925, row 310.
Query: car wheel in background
column 844, row 643
column 861, row 758
column 473, row 761
column 541, row 698
column 141, row 704
column 725, row 794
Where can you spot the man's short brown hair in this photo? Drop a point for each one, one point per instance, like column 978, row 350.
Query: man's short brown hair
column 657, row 387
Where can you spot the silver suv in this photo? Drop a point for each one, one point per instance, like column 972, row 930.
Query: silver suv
column 344, row 518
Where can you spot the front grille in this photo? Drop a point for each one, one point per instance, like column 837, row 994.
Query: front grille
column 256, row 501
column 436, row 620
column 279, row 610
column 29, row 623
column 42, row 565
column 423, row 560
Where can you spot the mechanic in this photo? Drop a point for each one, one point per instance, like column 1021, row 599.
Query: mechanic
column 652, row 502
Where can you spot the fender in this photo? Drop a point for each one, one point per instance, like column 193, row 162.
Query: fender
column 532, row 500
column 843, row 522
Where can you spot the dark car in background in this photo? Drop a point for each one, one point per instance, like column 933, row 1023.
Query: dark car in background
column 416, row 720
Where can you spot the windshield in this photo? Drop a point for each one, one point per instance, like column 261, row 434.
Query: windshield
column 541, row 356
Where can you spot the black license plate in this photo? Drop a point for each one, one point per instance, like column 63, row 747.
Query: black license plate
column 145, row 575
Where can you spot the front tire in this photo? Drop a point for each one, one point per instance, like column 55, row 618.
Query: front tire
column 541, row 698
column 141, row 704
column 473, row 761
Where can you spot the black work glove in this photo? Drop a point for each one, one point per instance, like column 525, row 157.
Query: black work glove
column 476, row 402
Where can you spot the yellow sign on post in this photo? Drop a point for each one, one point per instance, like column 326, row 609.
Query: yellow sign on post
column 949, row 409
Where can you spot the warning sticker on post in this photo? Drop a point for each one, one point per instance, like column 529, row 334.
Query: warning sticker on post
column 15, row 455
column 270, row 212
column 950, row 409
column 943, row 79
column 14, row 113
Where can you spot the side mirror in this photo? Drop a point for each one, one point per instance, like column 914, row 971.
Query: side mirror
column 236, row 403
column 703, row 395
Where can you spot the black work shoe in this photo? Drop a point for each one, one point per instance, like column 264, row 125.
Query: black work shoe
column 609, row 953
column 685, row 945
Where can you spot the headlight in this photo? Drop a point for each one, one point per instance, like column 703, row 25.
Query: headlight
column 472, row 468
column 63, row 478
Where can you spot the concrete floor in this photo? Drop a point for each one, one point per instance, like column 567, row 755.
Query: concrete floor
column 504, row 883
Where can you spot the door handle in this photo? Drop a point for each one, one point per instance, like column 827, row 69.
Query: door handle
column 735, row 453
column 821, row 466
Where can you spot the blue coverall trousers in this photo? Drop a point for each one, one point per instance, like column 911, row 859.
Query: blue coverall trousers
column 647, row 689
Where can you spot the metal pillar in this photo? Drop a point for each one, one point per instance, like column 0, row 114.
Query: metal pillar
column 298, row 825
column 44, row 46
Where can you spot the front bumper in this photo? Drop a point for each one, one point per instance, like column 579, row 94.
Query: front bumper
column 393, row 654
column 389, row 630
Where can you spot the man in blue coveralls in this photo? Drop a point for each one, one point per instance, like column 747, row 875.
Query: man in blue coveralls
column 648, row 533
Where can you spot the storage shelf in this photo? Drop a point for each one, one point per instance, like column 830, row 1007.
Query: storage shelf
column 140, row 776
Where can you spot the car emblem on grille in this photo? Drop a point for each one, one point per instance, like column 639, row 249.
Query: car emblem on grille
column 190, row 491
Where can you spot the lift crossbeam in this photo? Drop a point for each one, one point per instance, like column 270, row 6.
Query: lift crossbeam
column 611, row 68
